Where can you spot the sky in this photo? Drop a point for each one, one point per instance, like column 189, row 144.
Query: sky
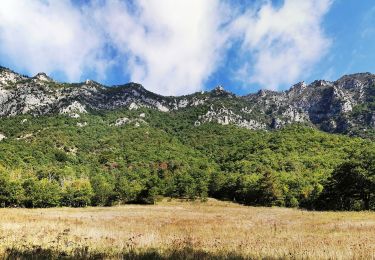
column 176, row 47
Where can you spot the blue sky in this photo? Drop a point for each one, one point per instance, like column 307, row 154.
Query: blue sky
column 350, row 26
column 179, row 47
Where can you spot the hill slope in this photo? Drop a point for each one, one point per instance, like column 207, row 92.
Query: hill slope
column 136, row 155
column 343, row 106
column 86, row 144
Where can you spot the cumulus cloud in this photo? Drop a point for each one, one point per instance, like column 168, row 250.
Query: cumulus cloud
column 281, row 43
column 49, row 36
column 171, row 47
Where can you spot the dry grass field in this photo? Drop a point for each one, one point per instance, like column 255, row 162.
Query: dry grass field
column 186, row 230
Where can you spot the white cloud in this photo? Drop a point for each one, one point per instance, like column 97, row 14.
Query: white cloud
column 49, row 36
column 171, row 47
column 282, row 43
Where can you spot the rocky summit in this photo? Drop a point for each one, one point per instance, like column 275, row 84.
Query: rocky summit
column 346, row 105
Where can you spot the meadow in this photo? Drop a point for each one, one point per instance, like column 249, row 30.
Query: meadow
column 185, row 230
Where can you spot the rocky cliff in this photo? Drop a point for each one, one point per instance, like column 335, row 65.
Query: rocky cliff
column 343, row 106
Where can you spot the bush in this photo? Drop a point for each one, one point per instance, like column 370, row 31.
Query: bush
column 77, row 193
column 352, row 184
column 42, row 193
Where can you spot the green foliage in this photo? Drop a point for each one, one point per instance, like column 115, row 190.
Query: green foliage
column 42, row 193
column 77, row 193
column 352, row 184
column 103, row 190
column 49, row 161
column 11, row 192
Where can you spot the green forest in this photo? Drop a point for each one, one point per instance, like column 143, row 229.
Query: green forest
column 50, row 161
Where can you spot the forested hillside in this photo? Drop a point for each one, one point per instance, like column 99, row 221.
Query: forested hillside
column 80, row 144
column 136, row 156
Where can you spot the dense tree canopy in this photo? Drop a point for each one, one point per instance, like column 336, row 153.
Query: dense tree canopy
column 352, row 184
column 52, row 161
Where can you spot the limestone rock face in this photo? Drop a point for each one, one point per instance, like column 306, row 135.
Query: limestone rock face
column 2, row 137
column 42, row 77
column 127, row 121
column 330, row 106
column 340, row 106
column 75, row 106
column 122, row 121
column 226, row 116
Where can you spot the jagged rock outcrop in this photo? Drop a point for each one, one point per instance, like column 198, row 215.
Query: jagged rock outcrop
column 327, row 105
column 226, row 116
column 124, row 121
column 343, row 106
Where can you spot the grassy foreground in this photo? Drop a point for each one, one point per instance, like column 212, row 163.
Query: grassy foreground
column 186, row 230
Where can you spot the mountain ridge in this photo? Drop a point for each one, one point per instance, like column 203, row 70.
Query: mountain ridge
column 218, row 88
column 342, row 106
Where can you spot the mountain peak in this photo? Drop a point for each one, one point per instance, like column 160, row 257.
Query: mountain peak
column 264, row 92
column 3, row 68
column 298, row 87
column 90, row 82
column 219, row 90
column 9, row 77
column 321, row 83
column 357, row 75
column 7, row 71
column 364, row 76
column 42, row 77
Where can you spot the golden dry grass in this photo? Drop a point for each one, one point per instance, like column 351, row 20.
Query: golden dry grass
column 187, row 230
